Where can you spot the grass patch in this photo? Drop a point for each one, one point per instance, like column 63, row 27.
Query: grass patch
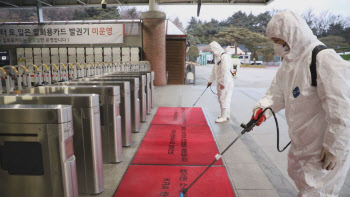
column 346, row 57
column 252, row 66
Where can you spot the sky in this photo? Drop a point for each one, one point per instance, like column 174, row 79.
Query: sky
column 222, row 12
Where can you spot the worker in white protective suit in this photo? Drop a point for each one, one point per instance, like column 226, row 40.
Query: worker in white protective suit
column 222, row 73
column 318, row 117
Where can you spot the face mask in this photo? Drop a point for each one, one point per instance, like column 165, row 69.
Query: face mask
column 281, row 50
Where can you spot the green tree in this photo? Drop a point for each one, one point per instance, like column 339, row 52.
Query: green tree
column 261, row 21
column 93, row 13
column 80, row 14
column 191, row 24
column 196, row 32
column 335, row 42
column 193, row 39
column 254, row 23
column 255, row 42
column 21, row 14
column 202, row 32
column 267, row 52
column 335, row 30
column 27, row 14
column 105, row 14
column 347, row 34
column 4, row 15
column 129, row 13
column 178, row 23
column 239, row 19
column 211, row 28
column 58, row 14
column 192, row 53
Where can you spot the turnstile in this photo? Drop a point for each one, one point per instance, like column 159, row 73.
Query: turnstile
column 150, row 80
column 142, row 92
column 109, row 114
column 125, row 103
column 87, row 133
column 37, row 155
column 148, row 85
column 135, row 101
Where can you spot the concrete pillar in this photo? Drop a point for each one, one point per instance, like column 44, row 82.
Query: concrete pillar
column 154, row 44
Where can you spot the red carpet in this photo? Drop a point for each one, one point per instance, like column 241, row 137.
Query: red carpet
column 167, row 181
column 177, row 145
column 180, row 116
column 175, row 150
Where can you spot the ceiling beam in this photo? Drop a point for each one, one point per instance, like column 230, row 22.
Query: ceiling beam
column 81, row 2
column 59, row 3
column 268, row 2
column 44, row 2
column 118, row 2
column 175, row 1
column 10, row 4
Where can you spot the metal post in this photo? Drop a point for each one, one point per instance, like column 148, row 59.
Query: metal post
column 19, row 81
column 39, row 10
column 8, row 84
column 29, row 80
column 153, row 5
column 39, row 78
column 49, row 77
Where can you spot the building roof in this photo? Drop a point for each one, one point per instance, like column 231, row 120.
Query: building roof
column 243, row 48
column 173, row 31
column 21, row 3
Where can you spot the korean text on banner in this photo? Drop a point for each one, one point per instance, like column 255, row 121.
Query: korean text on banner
column 62, row 34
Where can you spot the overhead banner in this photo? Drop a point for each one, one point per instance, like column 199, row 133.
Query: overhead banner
column 62, row 34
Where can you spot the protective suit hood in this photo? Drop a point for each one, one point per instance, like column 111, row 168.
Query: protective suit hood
column 216, row 48
column 294, row 30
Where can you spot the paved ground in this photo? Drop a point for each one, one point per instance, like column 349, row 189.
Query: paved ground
column 255, row 167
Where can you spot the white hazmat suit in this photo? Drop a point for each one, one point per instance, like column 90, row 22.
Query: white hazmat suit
column 318, row 117
column 221, row 73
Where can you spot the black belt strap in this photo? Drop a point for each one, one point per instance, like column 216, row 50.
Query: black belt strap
column 221, row 58
column 313, row 71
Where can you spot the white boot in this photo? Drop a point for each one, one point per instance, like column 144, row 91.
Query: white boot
column 223, row 117
column 228, row 113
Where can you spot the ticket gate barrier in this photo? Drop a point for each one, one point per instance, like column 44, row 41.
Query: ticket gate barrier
column 152, row 89
column 142, row 92
column 37, row 155
column 87, row 133
column 125, row 103
column 150, row 76
column 5, row 76
column 135, row 101
column 109, row 114
column 150, row 80
column 148, row 85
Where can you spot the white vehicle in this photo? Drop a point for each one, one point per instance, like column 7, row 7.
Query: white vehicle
column 245, row 59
